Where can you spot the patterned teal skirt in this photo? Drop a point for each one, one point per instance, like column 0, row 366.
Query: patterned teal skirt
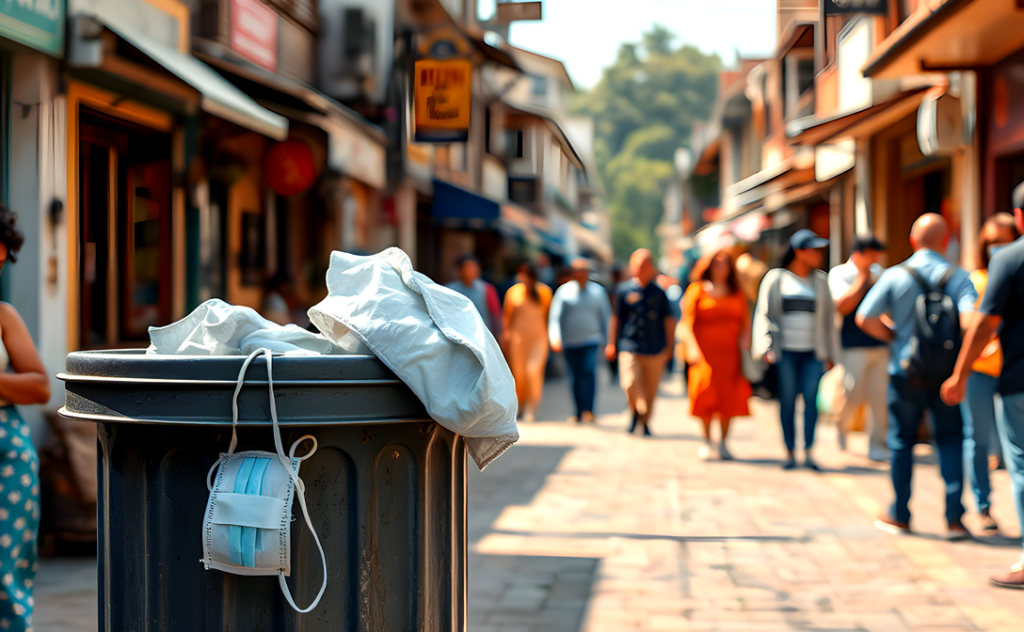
column 19, row 521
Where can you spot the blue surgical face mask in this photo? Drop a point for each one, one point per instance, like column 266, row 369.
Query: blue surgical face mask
column 992, row 250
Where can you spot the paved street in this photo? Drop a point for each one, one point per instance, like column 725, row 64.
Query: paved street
column 583, row 528
column 586, row 529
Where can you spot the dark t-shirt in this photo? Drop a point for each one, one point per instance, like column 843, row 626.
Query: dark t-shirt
column 642, row 312
column 1004, row 297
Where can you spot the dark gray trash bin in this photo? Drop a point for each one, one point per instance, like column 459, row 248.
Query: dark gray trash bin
column 386, row 492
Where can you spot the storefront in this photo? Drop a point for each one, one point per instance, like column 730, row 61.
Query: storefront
column 1003, row 132
column 291, row 203
column 984, row 75
column 140, row 112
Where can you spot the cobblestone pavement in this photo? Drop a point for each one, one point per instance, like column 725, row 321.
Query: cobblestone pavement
column 584, row 529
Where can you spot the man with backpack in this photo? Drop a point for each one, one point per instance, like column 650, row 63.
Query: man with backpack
column 1002, row 311
column 926, row 301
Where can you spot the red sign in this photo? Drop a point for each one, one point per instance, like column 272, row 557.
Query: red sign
column 254, row 32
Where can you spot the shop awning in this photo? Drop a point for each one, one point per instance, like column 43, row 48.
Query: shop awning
column 814, row 131
column 956, row 34
column 219, row 97
column 454, row 206
column 356, row 147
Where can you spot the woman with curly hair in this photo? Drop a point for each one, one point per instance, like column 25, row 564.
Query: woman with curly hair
column 23, row 381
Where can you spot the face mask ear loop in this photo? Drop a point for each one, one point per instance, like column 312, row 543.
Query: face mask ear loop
column 234, row 416
column 238, row 389
column 300, row 492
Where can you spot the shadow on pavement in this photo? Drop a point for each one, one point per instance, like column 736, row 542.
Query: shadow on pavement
column 531, row 593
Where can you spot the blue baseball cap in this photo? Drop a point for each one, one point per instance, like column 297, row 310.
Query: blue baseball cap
column 805, row 239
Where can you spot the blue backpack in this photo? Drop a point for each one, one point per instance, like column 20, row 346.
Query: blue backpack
column 935, row 341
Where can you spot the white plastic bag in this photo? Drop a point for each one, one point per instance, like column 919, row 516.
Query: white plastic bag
column 433, row 338
column 218, row 328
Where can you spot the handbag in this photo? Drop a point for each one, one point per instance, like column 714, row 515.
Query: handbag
column 247, row 524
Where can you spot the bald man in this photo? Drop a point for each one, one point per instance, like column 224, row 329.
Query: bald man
column 895, row 296
column 642, row 333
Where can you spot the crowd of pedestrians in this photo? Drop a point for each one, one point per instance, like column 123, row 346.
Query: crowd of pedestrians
column 923, row 339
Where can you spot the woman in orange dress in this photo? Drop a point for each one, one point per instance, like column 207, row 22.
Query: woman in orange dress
column 716, row 325
column 526, row 337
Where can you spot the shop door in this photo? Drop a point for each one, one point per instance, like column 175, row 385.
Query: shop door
column 124, row 232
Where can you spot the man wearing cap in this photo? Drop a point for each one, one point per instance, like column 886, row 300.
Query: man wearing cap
column 578, row 326
column 1002, row 311
column 896, row 295
column 865, row 360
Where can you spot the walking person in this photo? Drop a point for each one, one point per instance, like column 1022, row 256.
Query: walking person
column 1002, row 311
column 865, row 360
column 641, row 334
column 912, row 388
column 716, row 325
column 794, row 329
column 481, row 293
column 23, row 381
column 981, row 438
column 525, row 325
column 578, row 327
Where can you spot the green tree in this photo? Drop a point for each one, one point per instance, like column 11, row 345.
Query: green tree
column 644, row 108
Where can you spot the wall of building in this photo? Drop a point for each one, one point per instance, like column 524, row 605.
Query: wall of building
column 37, row 176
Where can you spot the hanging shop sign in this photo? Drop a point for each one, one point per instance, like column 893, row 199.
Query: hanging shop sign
column 290, row 168
column 38, row 24
column 443, row 99
column 254, row 32
column 519, row 11
column 845, row 7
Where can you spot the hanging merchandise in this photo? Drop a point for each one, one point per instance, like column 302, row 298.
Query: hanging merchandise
column 248, row 519
column 290, row 168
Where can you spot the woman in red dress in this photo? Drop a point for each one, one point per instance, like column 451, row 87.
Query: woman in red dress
column 716, row 325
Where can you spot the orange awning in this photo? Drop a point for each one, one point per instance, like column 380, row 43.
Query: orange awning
column 956, row 34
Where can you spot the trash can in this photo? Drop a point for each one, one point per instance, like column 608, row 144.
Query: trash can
column 386, row 492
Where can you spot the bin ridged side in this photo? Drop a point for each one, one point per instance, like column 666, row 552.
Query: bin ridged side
column 386, row 492
column 395, row 565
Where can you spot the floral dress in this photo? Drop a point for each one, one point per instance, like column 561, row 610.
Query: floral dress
column 19, row 521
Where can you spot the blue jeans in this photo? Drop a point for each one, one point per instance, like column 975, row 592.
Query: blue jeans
column 799, row 374
column 979, row 413
column 582, row 363
column 1011, row 428
column 907, row 404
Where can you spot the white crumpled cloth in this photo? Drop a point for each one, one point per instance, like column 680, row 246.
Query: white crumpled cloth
column 218, row 328
column 433, row 338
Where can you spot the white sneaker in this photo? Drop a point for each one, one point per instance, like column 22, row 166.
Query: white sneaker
column 879, row 455
column 704, row 452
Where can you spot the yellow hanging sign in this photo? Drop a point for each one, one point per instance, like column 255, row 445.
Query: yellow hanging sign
column 443, row 99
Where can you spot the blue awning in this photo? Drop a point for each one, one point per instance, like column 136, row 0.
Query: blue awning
column 455, row 204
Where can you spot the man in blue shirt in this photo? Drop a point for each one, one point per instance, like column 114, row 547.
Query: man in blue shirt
column 482, row 294
column 895, row 296
column 578, row 326
column 642, row 333
column 1002, row 311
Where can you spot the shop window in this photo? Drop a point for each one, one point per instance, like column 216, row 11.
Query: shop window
column 539, row 86
column 125, row 230
column 522, row 190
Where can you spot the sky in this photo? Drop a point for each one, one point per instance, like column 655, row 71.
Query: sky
column 586, row 34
